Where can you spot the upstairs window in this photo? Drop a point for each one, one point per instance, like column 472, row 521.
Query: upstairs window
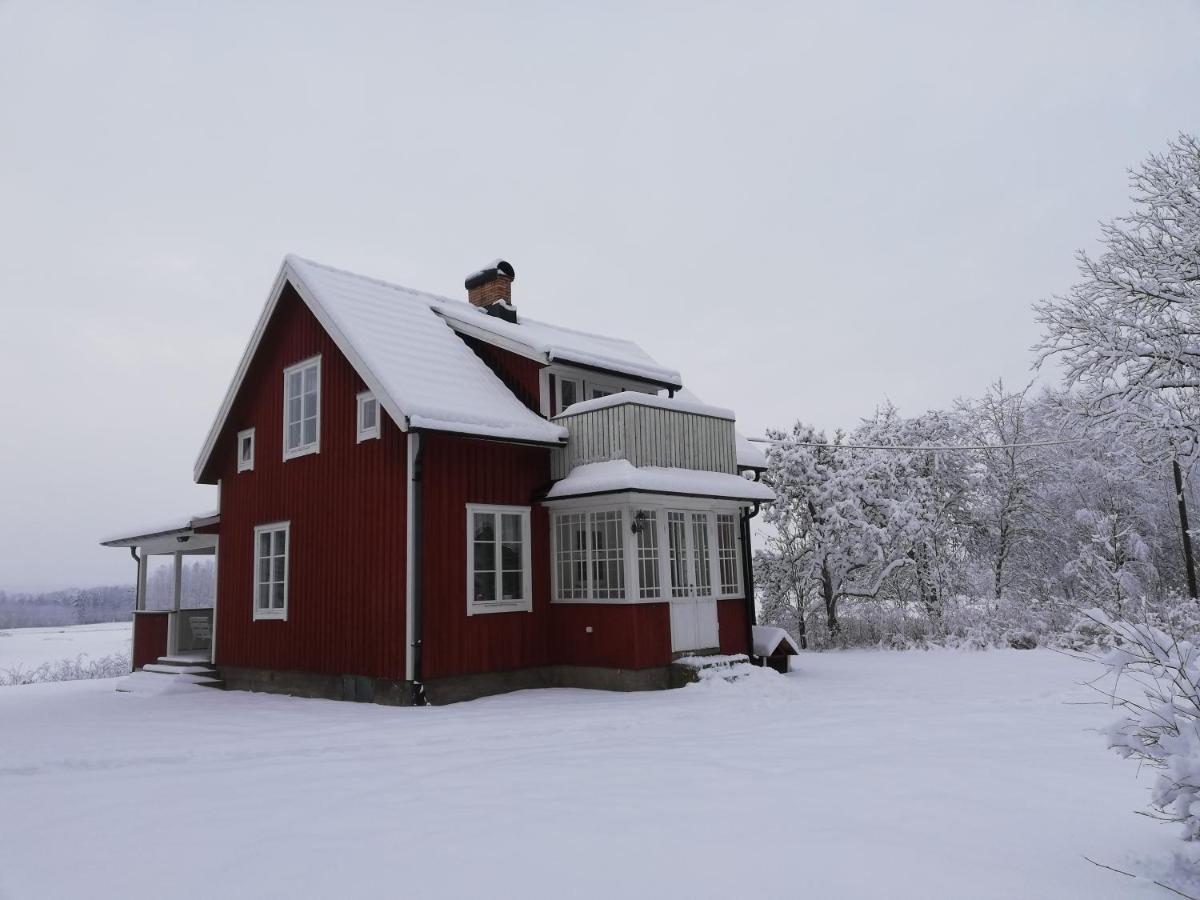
column 271, row 570
column 368, row 416
column 568, row 392
column 498, row 570
column 245, row 450
column 302, row 408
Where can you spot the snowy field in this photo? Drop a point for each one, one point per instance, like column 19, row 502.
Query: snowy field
column 28, row 648
column 865, row 774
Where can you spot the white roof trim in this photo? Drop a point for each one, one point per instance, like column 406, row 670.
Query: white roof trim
column 186, row 525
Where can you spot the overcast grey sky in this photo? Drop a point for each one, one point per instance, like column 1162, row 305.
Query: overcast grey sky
column 803, row 207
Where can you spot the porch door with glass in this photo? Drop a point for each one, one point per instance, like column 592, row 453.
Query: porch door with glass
column 693, row 597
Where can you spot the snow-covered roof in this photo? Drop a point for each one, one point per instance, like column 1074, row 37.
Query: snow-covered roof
column 642, row 399
column 749, row 454
column 424, row 375
column 768, row 637
column 551, row 343
column 131, row 537
column 619, row 475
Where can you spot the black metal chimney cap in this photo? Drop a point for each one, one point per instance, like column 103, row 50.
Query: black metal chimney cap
column 491, row 273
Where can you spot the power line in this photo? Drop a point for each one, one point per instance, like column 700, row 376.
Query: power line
column 915, row 449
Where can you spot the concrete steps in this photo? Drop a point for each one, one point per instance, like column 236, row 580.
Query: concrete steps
column 187, row 669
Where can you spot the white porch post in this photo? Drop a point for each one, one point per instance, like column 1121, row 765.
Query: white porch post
column 178, row 588
column 139, row 599
column 173, row 618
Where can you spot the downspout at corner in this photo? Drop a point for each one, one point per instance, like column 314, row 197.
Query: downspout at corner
column 412, row 658
column 748, row 576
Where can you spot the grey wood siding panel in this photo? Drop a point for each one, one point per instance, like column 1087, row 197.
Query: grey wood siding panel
column 647, row 436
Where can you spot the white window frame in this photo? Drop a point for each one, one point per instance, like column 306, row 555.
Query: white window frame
column 366, row 433
column 586, row 380
column 558, row 399
column 484, row 607
column 315, row 446
column 245, row 465
column 660, row 505
column 722, row 594
column 268, row 613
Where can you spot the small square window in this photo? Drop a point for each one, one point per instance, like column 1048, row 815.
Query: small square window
column 245, row 450
column 368, row 416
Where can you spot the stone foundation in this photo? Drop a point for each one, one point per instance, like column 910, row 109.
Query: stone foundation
column 440, row 691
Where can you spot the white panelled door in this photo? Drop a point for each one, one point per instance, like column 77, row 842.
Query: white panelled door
column 693, row 595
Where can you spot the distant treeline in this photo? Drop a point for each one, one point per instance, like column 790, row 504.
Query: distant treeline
column 74, row 606
column 110, row 603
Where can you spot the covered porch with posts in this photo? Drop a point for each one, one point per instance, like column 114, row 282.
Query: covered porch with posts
column 174, row 615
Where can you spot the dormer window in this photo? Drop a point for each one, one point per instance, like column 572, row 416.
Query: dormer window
column 568, row 392
column 245, row 450
column 564, row 386
column 302, row 408
column 368, row 416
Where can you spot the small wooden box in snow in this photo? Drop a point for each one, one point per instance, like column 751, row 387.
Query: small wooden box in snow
column 775, row 647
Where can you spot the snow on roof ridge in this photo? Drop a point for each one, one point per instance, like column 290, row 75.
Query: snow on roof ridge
column 295, row 257
column 648, row 368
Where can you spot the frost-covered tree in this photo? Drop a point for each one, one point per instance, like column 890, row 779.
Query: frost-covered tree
column 1161, row 719
column 830, row 523
column 922, row 494
column 1128, row 333
column 1008, row 482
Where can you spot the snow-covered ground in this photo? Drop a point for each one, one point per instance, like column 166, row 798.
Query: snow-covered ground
column 28, row 648
column 864, row 774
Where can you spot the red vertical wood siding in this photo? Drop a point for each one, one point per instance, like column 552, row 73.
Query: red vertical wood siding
column 149, row 637
column 457, row 471
column 625, row 636
column 731, row 626
column 520, row 374
column 347, row 506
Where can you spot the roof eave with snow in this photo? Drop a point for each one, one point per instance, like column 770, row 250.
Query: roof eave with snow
column 619, row 476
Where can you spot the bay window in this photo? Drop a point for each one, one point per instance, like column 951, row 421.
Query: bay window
column 644, row 552
column 647, row 555
column 727, row 555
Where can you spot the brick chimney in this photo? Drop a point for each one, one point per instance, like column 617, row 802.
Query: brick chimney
column 491, row 285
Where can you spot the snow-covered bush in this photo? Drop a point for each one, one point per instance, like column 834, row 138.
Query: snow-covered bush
column 1160, row 724
column 79, row 668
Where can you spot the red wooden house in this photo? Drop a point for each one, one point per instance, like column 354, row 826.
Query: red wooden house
column 422, row 498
